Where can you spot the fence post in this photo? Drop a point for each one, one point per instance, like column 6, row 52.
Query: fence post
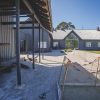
column 97, row 71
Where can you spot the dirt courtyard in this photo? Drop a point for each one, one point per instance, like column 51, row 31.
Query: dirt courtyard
column 42, row 80
column 82, row 71
column 45, row 77
column 81, row 82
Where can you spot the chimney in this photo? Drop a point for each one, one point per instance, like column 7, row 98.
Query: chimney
column 98, row 28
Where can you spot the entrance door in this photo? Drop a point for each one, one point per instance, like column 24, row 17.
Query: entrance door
column 71, row 44
column 23, row 45
column 55, row 45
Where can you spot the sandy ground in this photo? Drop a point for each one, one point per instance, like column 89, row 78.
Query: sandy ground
column 81, row 82
column 34, row 82
column 80, row 71
column 46, row 75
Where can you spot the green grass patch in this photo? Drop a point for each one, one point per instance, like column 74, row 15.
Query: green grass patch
column 97, row 52
column 68, row 50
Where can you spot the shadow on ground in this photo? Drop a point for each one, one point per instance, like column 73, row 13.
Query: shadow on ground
column 55, row 53
column 41, row 80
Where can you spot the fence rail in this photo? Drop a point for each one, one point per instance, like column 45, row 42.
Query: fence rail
column 67, row 63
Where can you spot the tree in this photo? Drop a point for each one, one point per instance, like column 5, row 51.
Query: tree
column 65, row 26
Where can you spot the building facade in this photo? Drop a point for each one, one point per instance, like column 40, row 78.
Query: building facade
column 26, row 40
column 79, row 39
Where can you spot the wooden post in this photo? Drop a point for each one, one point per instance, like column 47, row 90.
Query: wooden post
column 39, row 46
column 18, row 43
column 33, row 49
column 42, row 44
column 97, row 72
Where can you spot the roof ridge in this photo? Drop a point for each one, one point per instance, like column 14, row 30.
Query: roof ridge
column 84, row 29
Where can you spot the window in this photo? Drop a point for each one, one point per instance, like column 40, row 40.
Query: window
column 72, row 37
column 88, row 44
column 42, row 44
column 98, row 44
column 55, row 44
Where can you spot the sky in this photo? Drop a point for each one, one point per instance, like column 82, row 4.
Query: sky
column 84, row 14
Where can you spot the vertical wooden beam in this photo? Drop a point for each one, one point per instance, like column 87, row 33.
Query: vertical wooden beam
column 33, row 49
column 18, row 43
column 42, row 43
column 1, row 36
column 96, row 77
column 39, row 46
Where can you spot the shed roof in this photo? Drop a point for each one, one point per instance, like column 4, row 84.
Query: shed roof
column 83, row 34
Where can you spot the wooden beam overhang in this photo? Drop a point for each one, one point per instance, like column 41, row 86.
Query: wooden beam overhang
column 23, row 27
column 37, row 8
column 26, row 2
column 13, row 13
column 7, row 3
column 44, row 16
column 40, row 2
column 50, row 14
column 42, row 13
column 30, row 7
column 8, row 12
column 13, row 23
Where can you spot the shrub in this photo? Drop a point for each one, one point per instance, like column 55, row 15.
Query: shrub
column 69, row 50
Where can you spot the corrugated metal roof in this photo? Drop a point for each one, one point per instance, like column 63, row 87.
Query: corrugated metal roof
column 83, row 34
column 60, row 35
column 88, row 34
